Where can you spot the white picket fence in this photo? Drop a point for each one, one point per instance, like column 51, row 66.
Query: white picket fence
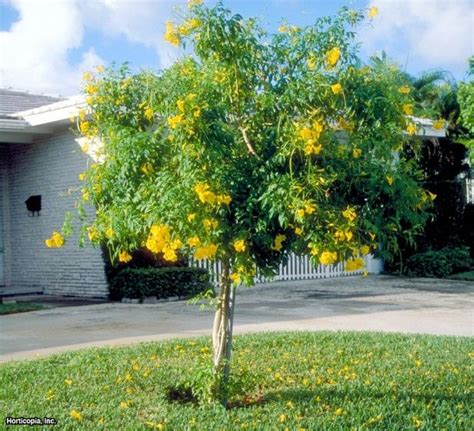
column 297, row 268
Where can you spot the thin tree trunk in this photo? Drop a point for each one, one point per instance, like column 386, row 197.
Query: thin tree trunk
column 222, row 332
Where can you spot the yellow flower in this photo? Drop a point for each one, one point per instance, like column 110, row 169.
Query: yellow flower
column 280, row 238
column 235, row 278
column 210, row 223
column 350, row 214
column 356, row 153
column 364, row 250
column 411, row 129
column 282, row 418
column 100, row 68
column 283, row 28
column 205, row 252
column 407, row 109
column 298, row 231
column 438, row 124
column 204, row 194
column 432, row 196
column 389, row 179
column 354, row 264
column 224, row 199
column 124, row 405
column 109, row 233
column 197, row 113
column 348, row 235
column 404, row 89
column 175, row 121
column 372, row 236
column 147, row 168
column 300, row 213
column 75, row 415
column 191, row 217
column 82, row 177
column 93, row 233
column 239, row 245
column 194, row 241
column 192, row 3
column 68, row 382
column 172, row 34
column 124, row 256
column 309, row 207
column 328, row 258
column 180, row 105
column 417, row 422
column 339, row 412
column 336, row 88
column 148, row 113
column 332, row 56
column 169, row 254
column 373, row 12
column 85, row 127
column 56, row 240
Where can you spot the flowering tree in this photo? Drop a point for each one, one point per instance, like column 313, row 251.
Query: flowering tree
column 254, row 146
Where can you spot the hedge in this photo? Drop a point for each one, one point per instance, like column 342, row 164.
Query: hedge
column 440, row 263
column 160, row 282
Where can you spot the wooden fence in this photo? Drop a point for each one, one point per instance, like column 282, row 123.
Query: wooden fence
column 298, row 268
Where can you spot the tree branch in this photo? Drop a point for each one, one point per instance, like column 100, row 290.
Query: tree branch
column 247, row 141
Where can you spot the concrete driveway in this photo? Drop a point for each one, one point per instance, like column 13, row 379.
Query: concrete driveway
column 375, row 303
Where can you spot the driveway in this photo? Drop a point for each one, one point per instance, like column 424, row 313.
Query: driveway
column 374, row 303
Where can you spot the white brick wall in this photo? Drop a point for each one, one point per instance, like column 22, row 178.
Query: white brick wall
column 49, row 167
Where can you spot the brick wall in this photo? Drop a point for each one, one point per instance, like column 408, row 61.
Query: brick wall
column 49, row 167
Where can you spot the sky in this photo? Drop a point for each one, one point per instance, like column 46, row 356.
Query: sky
column 46, row 45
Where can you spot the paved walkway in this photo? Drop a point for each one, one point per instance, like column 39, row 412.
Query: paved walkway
column 375, row 303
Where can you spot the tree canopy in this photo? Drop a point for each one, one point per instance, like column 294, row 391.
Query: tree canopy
column 254, row 145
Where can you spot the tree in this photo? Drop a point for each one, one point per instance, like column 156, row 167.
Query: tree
column 254, row 146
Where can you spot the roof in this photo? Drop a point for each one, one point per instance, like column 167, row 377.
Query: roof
column 12, row 101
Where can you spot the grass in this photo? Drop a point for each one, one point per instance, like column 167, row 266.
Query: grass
column 468, row 276
column 19, row 307
column 293, row 381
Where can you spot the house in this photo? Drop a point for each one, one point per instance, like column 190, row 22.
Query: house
column 40, row 161
column 40, row 156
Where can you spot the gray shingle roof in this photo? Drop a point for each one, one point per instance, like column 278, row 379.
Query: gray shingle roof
column 12, row 101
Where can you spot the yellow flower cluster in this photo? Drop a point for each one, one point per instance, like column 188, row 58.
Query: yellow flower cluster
column 364, row 250
column 77, row 416
column 404, row 89
column 407, row 109
column 438, row 124
column 205, row 252
column 341, row 235
column 175, row 121
column 206, row 196
column 159, row 241
column 56, row 240
column 310, row 137
column 336, row 88
column 188, row 26
column 172, row 34
column 411, row 129
column 124, row 256
column 354, row 264
column 239, row 245
column 350, row 214
column 356, row 153
column 278, row 244
column 328, row 258
column 332, row 57
column 194, row 241
column 210, row 223
column 148, row 112
column 147, row 168
column 93, row 233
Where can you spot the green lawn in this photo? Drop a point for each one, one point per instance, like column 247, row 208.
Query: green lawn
column 19, row 307
column 294, row 381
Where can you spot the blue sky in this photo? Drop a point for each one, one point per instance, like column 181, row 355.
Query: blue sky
column 45, row 45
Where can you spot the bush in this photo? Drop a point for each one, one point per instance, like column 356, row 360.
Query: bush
column 159, row 282
column 441, row 263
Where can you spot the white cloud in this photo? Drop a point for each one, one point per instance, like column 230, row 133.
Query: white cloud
column 34, row 51
column 432, row 33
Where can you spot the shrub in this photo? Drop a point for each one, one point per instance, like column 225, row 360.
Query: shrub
column 440, row 263
column 159, row 282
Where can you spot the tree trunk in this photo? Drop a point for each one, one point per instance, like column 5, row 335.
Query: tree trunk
column 222, row 332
